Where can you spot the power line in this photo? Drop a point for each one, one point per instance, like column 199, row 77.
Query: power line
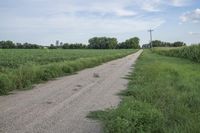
column 150, row 31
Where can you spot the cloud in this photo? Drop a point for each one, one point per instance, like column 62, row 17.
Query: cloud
column 125, row 13
column 75, row 24
column 194, row 33
column 192, row 16
column 150, row 6
column 72, row 28
column 180, row 3
column 159, row 5
column 103, row 7
column 78, row 16
column 68, row 18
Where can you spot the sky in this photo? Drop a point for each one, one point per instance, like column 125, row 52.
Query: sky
column 75, row 21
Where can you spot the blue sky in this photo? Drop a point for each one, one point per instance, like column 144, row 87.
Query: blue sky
column 45, row 21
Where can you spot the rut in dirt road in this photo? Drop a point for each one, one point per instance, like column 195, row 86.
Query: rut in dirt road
column 61, row 106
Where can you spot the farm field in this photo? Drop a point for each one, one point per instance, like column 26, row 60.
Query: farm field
column 20, row 69
column 13, row 58
column 163, row 96
column 188, row 52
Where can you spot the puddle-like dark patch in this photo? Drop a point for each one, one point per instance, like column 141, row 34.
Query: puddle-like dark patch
column 75, row 89
column 49, row 102
column 78, row 85
column 96, row 75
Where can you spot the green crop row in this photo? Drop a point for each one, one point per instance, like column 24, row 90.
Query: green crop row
column 13, row 58
column 24, row 76
column 188, row 52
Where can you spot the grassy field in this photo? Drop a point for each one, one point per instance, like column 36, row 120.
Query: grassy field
column 187, row 52
column 21, row 69
column 163, row 96
column 12, row 58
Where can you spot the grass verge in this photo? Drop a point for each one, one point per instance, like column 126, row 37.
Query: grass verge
column 163, row 96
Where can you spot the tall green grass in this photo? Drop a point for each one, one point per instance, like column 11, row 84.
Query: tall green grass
column 13, row 58
column 24, row 75
column 188, row 52
column 163, row 96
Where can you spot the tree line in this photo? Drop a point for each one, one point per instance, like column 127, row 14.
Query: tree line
column 158, row 43
column 11, row 45
column 94, row 43
column 68, row 46
column 102, row 43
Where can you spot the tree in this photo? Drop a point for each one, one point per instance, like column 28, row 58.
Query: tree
column 121, row 45
column 7, row 44
column 133, row 43
column 130, row 43
column 178, row 44
column 52, row 46
column 158, row 43
column 102, row 43
column 74, row 46
column 12, row 45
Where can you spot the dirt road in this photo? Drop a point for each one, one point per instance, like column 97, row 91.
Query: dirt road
column 61, row 106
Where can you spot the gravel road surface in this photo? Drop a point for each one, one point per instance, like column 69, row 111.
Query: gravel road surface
column 61, row 105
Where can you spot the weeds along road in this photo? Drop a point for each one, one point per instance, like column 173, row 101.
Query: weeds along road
column 61, row 106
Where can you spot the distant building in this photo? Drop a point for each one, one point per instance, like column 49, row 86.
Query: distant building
column 57, row 42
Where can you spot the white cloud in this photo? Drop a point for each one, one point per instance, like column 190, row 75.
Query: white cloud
column 180, row 3
column 194, row 33
column 75, row 16
column 104, row 7
column 192, row 16
column 125, row 13
column 79, row 24
column 159, row 5
column 150, row 6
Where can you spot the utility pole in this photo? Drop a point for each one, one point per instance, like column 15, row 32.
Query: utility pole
column 150, row 31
